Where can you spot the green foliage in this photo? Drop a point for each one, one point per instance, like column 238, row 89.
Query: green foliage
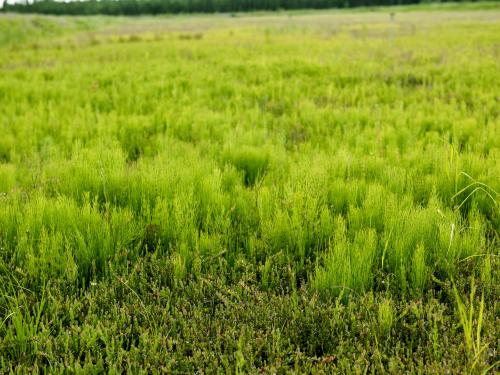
column 140, row 322
column 385, row 317
column 136, row 7
column 274, row 194
column 472, row 326
column 348, row 265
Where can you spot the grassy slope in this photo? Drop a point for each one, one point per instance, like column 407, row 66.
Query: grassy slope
column 16, row 30
column 253, row 194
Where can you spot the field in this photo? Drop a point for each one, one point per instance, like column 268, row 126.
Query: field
column 291, row 192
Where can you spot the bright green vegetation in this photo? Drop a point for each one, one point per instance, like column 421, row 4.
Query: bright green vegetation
column 309, row 193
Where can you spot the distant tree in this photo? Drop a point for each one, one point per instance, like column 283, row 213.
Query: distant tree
column 138, row 7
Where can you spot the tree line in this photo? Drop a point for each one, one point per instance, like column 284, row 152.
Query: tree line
column 137, row 7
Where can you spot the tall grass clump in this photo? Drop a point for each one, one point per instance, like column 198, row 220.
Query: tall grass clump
column 57, row 238
column 347, row 265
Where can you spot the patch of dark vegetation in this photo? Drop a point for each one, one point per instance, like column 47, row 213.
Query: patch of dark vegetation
column 136, row 140
column 252, row 163
column 407, row 80
column 296, row 135
column 195, row 36
column 151, row 238
column 145, row 321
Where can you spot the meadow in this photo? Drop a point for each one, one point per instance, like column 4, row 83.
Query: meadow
column 291, row 192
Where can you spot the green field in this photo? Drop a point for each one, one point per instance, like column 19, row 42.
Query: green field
column 293, row 192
